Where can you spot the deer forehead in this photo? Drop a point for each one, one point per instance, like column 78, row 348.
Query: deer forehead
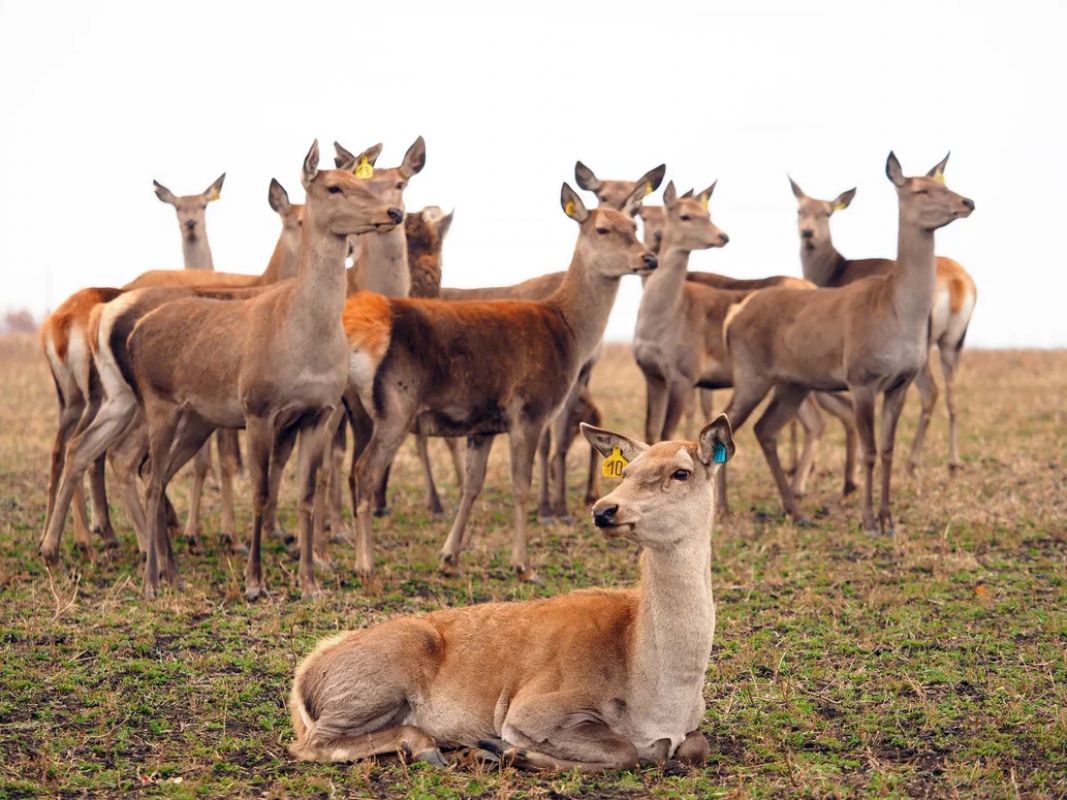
column 810, row 207
column 690, row 206
column 613, row 220
column 665, row 457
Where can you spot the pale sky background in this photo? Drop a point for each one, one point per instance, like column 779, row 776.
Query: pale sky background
column 97, row 99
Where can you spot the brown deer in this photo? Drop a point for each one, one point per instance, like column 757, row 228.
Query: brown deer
column 478, row 369
column 64, row 338
column 191, row 209
column 595, row 679
column 953, row 303
column 870, row 337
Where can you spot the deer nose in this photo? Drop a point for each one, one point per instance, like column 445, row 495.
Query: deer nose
column 651, row 262
column 724, row 238
column 396, row 215
column 969, row 203
column 190, row 223
column 807, row 233
column 604, row 517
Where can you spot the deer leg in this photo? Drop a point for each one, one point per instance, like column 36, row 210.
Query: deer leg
column 260, row 442
column 314, row 440
column 457, row 449
column 545, row 512
column 101, row 516
column 478, row 448
column 950, row 360
column 557, row 731
column 163, row 419
column 523, row 445
column 693, row 749
column 784, row 404
column 335, row 464
column 924, row 382
column 433, row 500
column 229, row 456
column 744, row 400
column 892, row 405
column 863, row 406
column 841, row 408
column 655, row 407
column 324, row 484
column 126, row 458
column 562, row 427
column 592, row 483
column 679, row 402
column 69, row 415
column 201, row 467
column 407, row 741
column 374, row 461
column 277, row 459
column 814, row 427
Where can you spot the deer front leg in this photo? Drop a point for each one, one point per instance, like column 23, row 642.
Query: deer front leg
column 314, row 441
column 811, row 420
column 891, row 408
column 841, row 408
column 783, row 407
column 655, row 407
column 523, row 444
column 229, row 451
column 101, row 516
column 433, row 500
column 924, row 382
column 863, row 406
column 950, row 361
column 545, row 512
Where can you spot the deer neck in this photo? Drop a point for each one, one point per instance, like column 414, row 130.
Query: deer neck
column 661, row 298
column 822, row 264
column 383, row 263
column 915, row 275
column 584, row 299
column 319, row 287
column 197, row 253
column 675, row 623
column 284, row 262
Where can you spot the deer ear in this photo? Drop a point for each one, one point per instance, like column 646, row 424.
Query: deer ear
column 705, row 195
column 585, row 177
column 653, row 178
column 445, row 224
column 843, row 200
column 715, row 445
column 163, row 193
column 278, row 197
column 798, row 193
column 414, row 158
column 893, row 170
column 572, row 204
column 311, row 165
column 214, row 191
column 604, row 442
column 343, row 159
column 670, row 194
column 632, row 203
column 938, row 171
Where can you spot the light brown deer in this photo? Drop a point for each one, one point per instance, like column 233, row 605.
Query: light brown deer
column 478, row 369
column 953, row 303
column 592, row 680
column 190, row 209
column 870, row 337
column 64, row 337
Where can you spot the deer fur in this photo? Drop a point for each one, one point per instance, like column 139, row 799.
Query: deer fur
column 593, row 679
column 870, row 337
column 477, row 369
column 954, row 298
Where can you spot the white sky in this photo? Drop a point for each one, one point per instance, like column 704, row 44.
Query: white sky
column 100, row 98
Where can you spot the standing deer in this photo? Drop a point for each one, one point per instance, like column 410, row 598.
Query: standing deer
column 595, row 679
column 953, row 303
column 191, row 209
column 478, row 369
column 870, row 337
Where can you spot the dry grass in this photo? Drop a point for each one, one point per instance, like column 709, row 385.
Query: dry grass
column 934, row 664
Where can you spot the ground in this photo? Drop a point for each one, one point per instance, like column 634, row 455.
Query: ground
column 930, row 664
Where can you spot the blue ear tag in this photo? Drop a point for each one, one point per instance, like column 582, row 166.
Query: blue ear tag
column 719, row 454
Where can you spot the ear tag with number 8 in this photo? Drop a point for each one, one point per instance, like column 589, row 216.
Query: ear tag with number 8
column 613, row 464
column 364, row 170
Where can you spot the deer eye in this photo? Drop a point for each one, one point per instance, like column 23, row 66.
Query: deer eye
column 334, row 189
column 401, row 185
column 686, row 218
column 681, row 475
column 602, row 231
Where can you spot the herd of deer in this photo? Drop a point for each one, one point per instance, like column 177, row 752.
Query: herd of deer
column 147, row 372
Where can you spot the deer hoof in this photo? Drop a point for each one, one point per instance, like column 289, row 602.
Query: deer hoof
column 450, row 566
column 50, row 555
column 311, row 591
column 527, row 575
column 849, row 488
column 954, row 468
column 432, row 756
column 253, row 592
column 232, row 545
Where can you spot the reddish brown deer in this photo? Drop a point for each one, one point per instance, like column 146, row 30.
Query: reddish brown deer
column 595, row 679
column 477, row 369
column 870, row 337
column 950, row 315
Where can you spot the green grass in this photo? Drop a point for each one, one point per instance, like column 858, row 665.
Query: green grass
column 934, row 664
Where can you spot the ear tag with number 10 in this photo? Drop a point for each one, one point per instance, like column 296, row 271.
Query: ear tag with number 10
column 364, row 170
column 613, row 464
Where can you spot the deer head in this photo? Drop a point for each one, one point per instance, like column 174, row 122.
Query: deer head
column 389, row 182
column 191, row 207
column 607, row 238
column 666, row 488
column 813, row 216
column 925, row 201
column 343, row 204
column 428, row 227
column 687, row 221
column 616, row 194
column 653, row 218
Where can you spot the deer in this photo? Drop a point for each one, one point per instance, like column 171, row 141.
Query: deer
column 190, row 210
column 593, row 679
column 954, row 298
column 65, row 341
column 870, row 337
column 481, row 368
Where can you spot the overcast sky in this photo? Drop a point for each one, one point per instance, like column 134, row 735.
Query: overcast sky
column 100, row 98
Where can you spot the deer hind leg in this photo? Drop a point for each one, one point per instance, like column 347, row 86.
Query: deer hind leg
column 924, row 381
column 545, row 512
column 841, row 408
column 658, row 394
column 433, row 500
column 950, row 360
column 101, row 516
column 262, row 445
column 680, row 399
column 406, row 741
column 523, row 446
column 784, row 404
column 315, row 439
column 201, row 467
column 126, row 458
column 335, row 462
column 325, row 482
column 744, row 400
column 563, row 427
column 891, row 408
column 814, row 427
column 229, row 460
column 477, row 458
column 863, row 406
column 557, row 731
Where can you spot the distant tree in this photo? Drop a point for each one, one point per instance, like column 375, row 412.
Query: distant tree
column 19, row 321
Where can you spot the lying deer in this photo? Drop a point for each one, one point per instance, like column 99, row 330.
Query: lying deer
column 595, row 679
column 953, row 303
column 478, row 369
column 870, row 337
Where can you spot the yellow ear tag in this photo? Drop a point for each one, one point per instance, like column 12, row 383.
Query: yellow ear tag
column 839, row 206
column 569, row 208
column 613, row 464
column 939, row 177
column 704, row 201
column 213, row 196
column 364, row 170
column 648, row 189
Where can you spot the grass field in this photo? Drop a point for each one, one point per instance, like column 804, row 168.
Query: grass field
column 933, row 664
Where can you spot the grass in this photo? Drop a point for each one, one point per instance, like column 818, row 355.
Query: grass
column 933, row 664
